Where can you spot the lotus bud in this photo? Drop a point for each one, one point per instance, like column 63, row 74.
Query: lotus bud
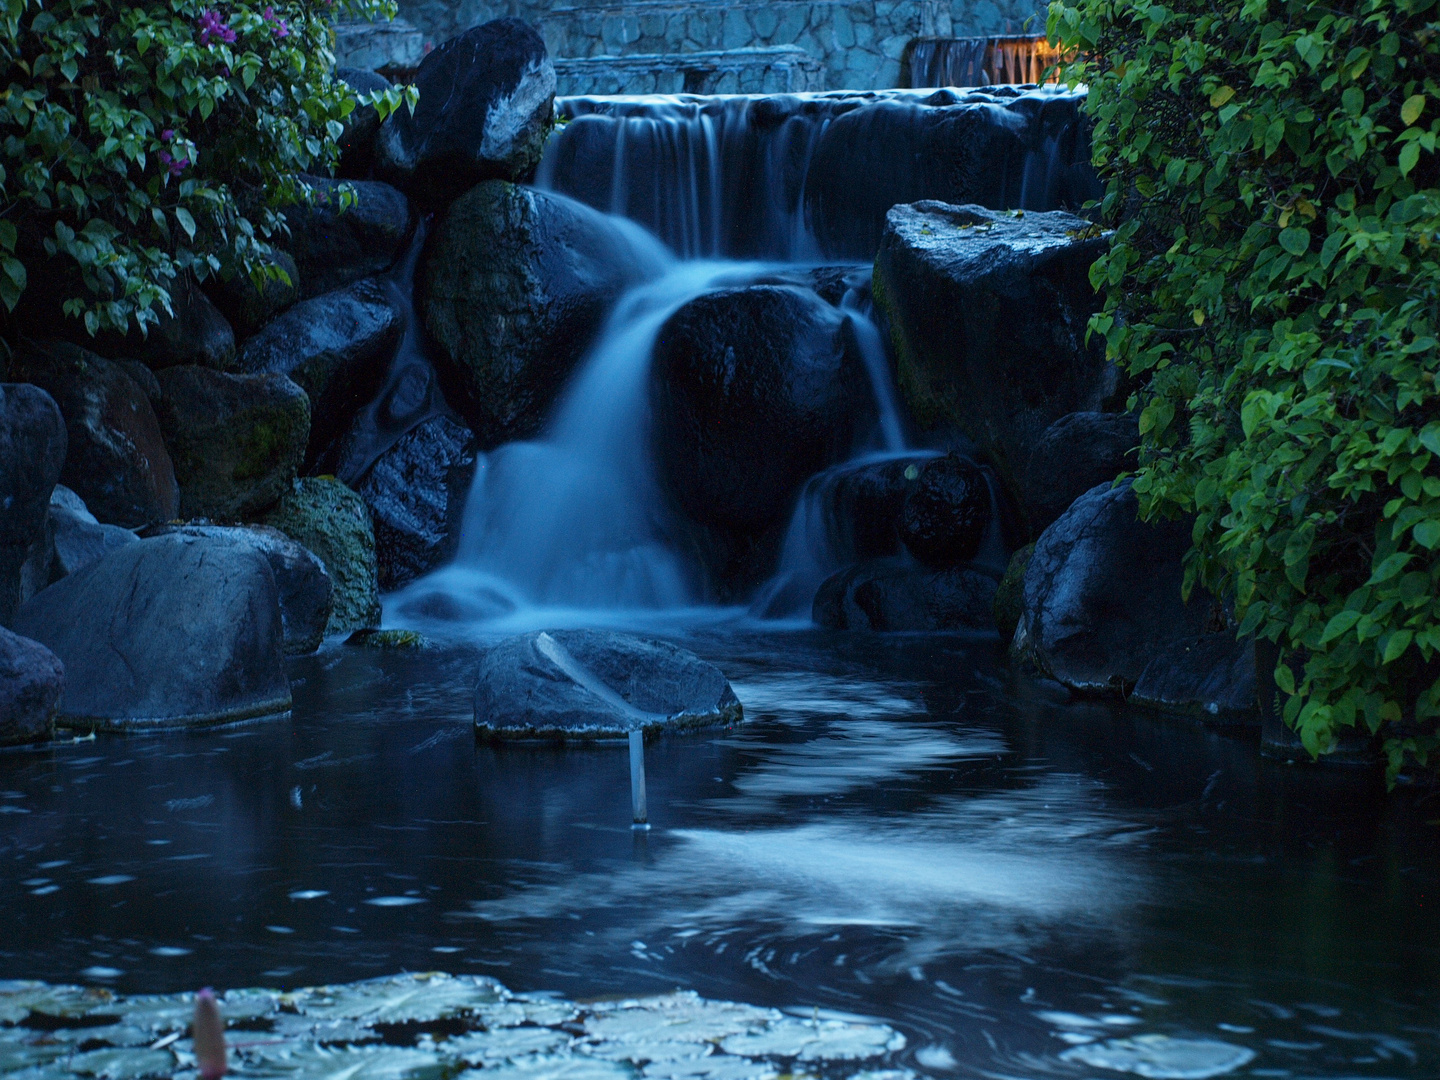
column 208, row 1031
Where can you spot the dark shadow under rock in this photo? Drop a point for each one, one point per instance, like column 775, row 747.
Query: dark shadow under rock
column 32, row 453
column 1211, row 677
column 1074, row 454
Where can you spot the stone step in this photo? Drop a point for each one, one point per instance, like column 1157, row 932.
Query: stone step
column 777, row 70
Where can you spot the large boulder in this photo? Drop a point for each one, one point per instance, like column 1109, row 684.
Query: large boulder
column 588, row 685
column 173, row 631
column 333, row 522
column 237, row 441
column 77, row 538
column 32, row 453
column 357, row 140
column 946, row 512
column 486, row 105
column 196, row 333
column 336, row 347
column 335, row 247
column 897, row 594
column 416, row 494
column 301, row 581
column 754, row 389
column 30, row 680
column 1071, row 456
column 116, row 459
column 248, row 306
column 516, row 287
column 1211, row 677
column 1101, row 598
column 987, row 313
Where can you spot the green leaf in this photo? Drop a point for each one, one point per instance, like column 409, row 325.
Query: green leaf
column 1338, row 625
column 1396, row 646
column 1411, row 110
column 1285, row 678
column 1409, row 157
column 187, row 222
column 1427, row 534
column 1295, row 239
column 1390, row 567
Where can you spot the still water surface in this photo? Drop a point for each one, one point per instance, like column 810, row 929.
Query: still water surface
column 899, row 830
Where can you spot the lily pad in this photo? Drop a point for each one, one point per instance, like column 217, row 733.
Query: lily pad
column 556, row 1068
column 400, row 999
column 713, row 1067
column 504, row 1044
column 680, row 1016
column 123, row 1064
column 827, row 1040
column 1159, row 1057
column 20, row 998
column 18, row 1055
column 517, row 1011
column 302, row 1062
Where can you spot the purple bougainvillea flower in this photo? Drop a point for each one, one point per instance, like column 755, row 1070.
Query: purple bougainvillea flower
column 167, row 134
column 212, row 25
column 282, row 28
column 175, row 165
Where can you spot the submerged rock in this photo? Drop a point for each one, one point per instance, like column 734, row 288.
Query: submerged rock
column 334, row 247
column 753, row 390
column 585, row 685
column 515, row 290
column 116, row 458
column 32, row 453
column 302, row 584
column 172, row 631
column 1101, row 598
column 30, row 680
column 416, row 494
column 336, row 347
column 486, row 105
column 987, row 312
column 1211, row 677
column 896, row 594
column 236, row 441
column 1071, row 456
column 330, row 520
column 78, row 538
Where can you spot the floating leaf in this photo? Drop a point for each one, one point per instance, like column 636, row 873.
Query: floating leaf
column 1159, row 1057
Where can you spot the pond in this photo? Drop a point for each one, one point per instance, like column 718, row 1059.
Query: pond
column 901, row 829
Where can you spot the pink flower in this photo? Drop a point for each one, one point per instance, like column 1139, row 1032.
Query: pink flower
column 211, row 23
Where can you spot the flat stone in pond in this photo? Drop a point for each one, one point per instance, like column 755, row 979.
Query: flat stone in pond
column 587, row 685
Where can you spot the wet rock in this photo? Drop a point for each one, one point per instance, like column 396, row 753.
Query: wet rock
column 584, row 685
column 416, row 494
column 485, row 108
column 116, row 459
column 30, row 680
column 897, row 594
column 753, row 390
column 236, row 440
column 32, row 453
column 515, row 290
column 1101, row 596
column 1072, row 455
column 332, row 521
column 336, row 347
column 1009, row 594
column 301, row 581
column 946, row 512
column 172, row 631
column 77, row 538
column 357, row 141
column 249, row 307
column 334, row 247
column 388, row 639
column 987, row 312
column 1212, row 677
column 195, row 334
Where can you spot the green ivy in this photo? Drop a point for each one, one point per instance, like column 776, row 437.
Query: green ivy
column 1273, row 284
column 142, row 140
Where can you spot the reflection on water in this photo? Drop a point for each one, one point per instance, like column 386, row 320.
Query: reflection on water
column 896, row 831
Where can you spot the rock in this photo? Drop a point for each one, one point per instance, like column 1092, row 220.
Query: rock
column 32, row 453
column 388, row 639
column 987, row 311
column 1212, row 677
column 1009, row 594
column 332, row 521
column 334, row 247
column 1102, row 594
column 516, row 288
column 416, row 494
column 236, row 440
column 587, row 685
column 357, row 141
column 116, row 459
column 173, row 631
column 302, row 584
column 77, row 538
column 946, row 512
column 337, row 348
column 247, row 307
column 195, row 334
column 1071, row 456
column 753, row 390
column 30, row 680
column 485, row 108
column 897, row 594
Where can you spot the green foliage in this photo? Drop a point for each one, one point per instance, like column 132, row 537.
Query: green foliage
column 1272, row 179
column 143, row 139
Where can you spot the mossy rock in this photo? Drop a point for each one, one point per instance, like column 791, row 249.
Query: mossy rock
column 388, row 639
column 333, row 522
column 1009, row 599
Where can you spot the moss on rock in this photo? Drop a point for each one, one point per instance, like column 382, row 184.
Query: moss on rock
column 1009, row 597
column 332, row 521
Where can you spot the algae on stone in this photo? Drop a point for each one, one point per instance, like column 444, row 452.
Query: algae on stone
column 332, row 521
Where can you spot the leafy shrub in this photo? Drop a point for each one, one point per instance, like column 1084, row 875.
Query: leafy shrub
column 1273, row 282
column 150, row 138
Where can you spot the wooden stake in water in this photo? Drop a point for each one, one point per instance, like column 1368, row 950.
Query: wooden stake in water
column 637, row 780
